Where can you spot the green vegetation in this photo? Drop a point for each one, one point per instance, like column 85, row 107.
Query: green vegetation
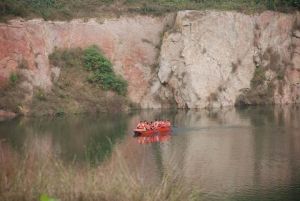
column 258, row 78
column 13, row 79
column 100, row 147
column 60, row 112
column 47, row 9
column 40, row 94
column 102, row 72
column 64, row 9
column 66, row 58
column 95, row 61
column 100, row 68
column 281, row 74
column 45, row 197
column 72, row 93
column 262, row 87
column 12, row 94
column 261, row 91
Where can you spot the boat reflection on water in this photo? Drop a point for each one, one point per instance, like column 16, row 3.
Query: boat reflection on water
column 159, row 137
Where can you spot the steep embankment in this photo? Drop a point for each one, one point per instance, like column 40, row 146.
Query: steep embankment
column 131, row 43
column 215, row 59
column 198, row 59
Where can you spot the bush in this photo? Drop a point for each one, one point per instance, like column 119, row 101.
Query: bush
column 258, row 78
column 66, row 58
column 95, row 61
column 13, row 78
column 40, row 95
column 48, row 9
column 102, row 71
column 11, row 7
column 275, row 4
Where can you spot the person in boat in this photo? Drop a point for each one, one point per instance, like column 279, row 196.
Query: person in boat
column 158, row 123
column 155, row 124
column 168, row 123
column 141, row 126
column 152, row 126
column 147, row 126
column 162, row 124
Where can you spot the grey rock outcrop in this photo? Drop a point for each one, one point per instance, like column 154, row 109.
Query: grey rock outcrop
column 209, row 58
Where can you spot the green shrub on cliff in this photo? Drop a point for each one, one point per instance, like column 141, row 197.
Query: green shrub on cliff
column 109, row 81
column 95, row 61
column 277, row 4
column 259, row 77
column 45, row 197
column 102, row 72
column 13, row 79
column 100, row 68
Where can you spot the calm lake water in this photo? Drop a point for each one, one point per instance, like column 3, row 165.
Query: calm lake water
column 230, row 154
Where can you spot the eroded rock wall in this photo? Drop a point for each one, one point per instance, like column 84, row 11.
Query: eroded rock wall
column 131, row 43
column 210, row 58
column 192, row 59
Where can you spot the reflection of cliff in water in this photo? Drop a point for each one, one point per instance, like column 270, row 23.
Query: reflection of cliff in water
column 77, row 138
column 237, row 149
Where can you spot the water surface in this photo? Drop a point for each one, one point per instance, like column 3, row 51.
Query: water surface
column 229, row 154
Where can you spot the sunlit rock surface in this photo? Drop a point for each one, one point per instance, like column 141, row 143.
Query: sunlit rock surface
column 209, row 57
column 131, row 43
column 192, row 59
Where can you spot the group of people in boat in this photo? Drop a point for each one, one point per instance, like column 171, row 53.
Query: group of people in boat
column 145, row 125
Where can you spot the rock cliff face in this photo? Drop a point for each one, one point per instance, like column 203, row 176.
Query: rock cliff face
column 131, row 43
column 215, row 59
column 199, row 59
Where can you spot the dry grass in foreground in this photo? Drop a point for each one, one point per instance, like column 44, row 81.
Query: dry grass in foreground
column 37, row 170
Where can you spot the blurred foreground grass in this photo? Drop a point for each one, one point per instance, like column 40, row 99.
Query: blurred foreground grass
column 37, row 172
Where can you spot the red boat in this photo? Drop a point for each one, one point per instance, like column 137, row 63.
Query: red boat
column 152, row 131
